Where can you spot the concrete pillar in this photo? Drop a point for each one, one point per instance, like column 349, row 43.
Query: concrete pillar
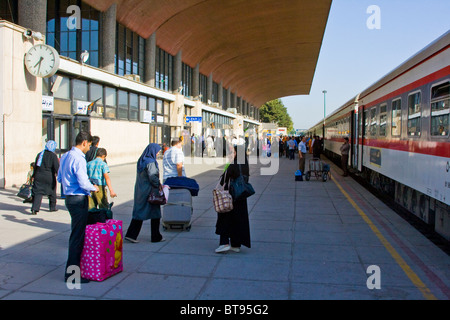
column 196, row 81
column 150, row 60
column 228, row 97
column 109, row 38
column 177, row 72
column 33, row 15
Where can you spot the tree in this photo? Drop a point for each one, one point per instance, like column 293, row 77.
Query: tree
column 275, row 111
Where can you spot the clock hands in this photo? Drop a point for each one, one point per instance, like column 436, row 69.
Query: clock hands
column 39, row 63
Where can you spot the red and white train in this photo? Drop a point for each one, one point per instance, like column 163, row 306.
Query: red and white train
column 399, row 134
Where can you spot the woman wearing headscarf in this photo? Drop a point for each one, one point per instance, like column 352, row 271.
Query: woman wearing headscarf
column 233, row 227
column 147, row 180
column 44, row 177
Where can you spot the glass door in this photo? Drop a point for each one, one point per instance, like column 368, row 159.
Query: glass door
column 62, row 136
column 80, row 124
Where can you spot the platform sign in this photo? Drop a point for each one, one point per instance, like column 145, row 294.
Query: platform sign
column 193, row 119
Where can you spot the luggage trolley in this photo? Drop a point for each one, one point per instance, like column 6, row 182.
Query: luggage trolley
column 318, row 169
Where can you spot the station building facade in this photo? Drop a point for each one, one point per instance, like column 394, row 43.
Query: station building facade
column 130, row 92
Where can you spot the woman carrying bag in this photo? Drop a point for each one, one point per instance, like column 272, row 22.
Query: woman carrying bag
column 233, row 226
column 147, row 181
column 44, row 177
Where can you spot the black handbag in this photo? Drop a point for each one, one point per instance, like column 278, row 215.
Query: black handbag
column 240, row 188
column 25, row 192
column 159, row 198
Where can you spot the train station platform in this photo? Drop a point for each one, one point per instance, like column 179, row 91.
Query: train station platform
column 310, row 240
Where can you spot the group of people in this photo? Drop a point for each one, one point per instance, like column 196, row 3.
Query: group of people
column 43, row 176
column 84, row 186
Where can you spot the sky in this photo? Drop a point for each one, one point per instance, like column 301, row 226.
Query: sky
column 353, row 57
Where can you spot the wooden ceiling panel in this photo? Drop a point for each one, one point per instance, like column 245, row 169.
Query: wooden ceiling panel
column 262, row 49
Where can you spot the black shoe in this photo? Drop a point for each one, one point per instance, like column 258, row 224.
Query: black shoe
column 53, row 210
column 34, row 212
column 82, row 280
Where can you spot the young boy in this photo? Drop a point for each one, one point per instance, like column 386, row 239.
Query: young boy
column 98, row 172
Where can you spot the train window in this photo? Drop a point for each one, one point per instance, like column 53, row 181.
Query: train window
column 396, row 117
column 440, row 109
column 373, row 121
column 366, row 123
column 383, row 119
column 414, row 114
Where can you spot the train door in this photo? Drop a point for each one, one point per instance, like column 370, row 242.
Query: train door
column 360, row 137
column 354, row 139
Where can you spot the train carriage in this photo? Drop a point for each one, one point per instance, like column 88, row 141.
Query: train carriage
column 399, row 133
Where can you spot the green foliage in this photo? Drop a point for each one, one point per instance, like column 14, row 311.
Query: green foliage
column 275, row 111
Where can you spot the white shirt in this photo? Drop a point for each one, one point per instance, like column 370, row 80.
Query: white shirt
column 171, row 157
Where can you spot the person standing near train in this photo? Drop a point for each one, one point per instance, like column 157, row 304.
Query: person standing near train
column 345, row 148
column 302, row 154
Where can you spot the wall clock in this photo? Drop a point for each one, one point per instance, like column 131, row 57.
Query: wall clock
column 42, row 61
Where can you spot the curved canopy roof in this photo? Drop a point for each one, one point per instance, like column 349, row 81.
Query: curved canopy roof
column 260, row 49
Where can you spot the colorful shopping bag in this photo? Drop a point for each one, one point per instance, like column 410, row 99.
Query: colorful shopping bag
column 102, row 255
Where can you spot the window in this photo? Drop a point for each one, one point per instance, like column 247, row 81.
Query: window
column 134, row 107
column 366, row 123
column 440, row 109
column 9, row 11
column 396, row 128
column 203, row 87
column 414, row 114
column 383, row 119
column 215, row 92
column 68, row 41
column 186, row 80
column 373, row 121
column 164, row 70
column 130, row 52
column 152, row 105
column 80, row 90
column 96, row 94
column 110, row 103
column 122, row 111
column 61, row 90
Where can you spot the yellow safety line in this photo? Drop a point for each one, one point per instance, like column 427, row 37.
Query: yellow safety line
column 402, row 263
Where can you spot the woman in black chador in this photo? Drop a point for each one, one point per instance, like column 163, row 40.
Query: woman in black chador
column 44, row 177
column 233, row 227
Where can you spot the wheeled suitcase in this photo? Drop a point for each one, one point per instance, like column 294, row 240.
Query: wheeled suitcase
column 177, row 213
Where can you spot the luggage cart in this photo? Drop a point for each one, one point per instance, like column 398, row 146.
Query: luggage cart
column 318, row 169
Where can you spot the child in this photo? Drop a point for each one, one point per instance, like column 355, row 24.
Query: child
column 30, row 181
column 30, row 174
column 98, row 172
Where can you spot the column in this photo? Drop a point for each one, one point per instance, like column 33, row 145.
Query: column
column 150, row 60
column 177, row 72
column 33, row 15
column 109, row 38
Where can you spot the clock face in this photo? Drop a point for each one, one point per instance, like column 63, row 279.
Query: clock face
column 42, row 61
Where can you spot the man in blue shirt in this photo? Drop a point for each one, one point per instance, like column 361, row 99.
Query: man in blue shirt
column 73, row 176
column 302, row 155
